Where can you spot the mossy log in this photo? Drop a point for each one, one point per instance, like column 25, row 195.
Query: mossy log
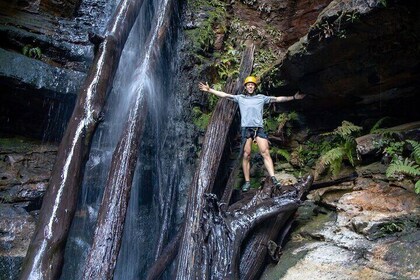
column 44, row 258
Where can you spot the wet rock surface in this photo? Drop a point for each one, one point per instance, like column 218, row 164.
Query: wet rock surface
column 358, row 54
column 25, row 168
column 44, row 56
column 366, row 229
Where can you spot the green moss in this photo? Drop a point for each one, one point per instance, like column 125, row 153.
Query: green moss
column 200, row 119
column 203, row 37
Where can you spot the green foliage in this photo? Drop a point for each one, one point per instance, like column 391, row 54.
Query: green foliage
column 228, row 64
column 201, row 120
column 392, row 227
column 263, row 61
column 406, row 167
column 31, row 51
column 270, row 124
column 394, row 149
column 203, row 37
column 329, row 27
column 280, row 152
column 376, row 127
column 353, row 16
column 416, row 150
column 402, row 166
column 383, row 3
column 344, row 148
column 417, row 187
column 312, row 151
column 333, row 158
column 277, row 124
column 346, row 130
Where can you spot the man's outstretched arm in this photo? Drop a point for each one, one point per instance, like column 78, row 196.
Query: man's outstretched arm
column 296, row 96
column 206, row 87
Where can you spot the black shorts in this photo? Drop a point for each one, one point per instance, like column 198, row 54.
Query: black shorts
column 252, row 132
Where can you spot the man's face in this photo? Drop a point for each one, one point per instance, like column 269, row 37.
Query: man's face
column 250, row 88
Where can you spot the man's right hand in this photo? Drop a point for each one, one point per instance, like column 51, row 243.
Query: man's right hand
column 204, row 87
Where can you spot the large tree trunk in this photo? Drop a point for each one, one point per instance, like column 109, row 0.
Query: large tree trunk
column 45, row 254
column 112, row 212
column 204, row 177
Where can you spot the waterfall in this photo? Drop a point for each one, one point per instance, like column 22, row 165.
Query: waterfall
column 151, row 214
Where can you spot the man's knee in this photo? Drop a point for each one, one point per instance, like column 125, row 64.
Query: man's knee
column 247, row 155
column 265, row 153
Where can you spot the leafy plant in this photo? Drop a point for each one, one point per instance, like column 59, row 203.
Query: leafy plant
column 281, row 152
column 416, row 150
column 394, row 149
column 407, row 167
column 376, row 127
column 346, row 130
column 390, row 228
column 201, row 120
column 31, row 51
column 383, row 3
column 278, row 124
column 353, row 16
column 344, row 148
column 402, row 166
column 203, row 37
column 263, row 61
column 228, row 65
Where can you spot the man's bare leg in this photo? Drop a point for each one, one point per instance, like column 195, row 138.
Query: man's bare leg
column 246, row 164
column 265, row 152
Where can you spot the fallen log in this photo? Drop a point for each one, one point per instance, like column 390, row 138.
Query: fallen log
column 212, row 150
column 112, row 212
column 221, row 233
column 45, row 253
column 254, row 255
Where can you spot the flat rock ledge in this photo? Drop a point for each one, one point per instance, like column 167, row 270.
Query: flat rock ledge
column 366, row 229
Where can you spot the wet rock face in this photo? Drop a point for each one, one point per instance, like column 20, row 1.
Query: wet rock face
column 45, row 53
column 16, row 227
column 359, row 54
column 66, row 8
column 291, row 19
column 25, row 168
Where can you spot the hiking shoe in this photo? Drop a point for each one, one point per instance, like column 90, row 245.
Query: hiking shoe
column 276, row 183
column 246, row 186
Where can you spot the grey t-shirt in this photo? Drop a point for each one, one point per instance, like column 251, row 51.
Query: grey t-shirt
column 251, row 108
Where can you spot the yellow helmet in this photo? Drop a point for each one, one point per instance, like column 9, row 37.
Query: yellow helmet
column 250, row 79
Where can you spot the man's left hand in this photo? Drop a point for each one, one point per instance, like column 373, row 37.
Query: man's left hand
column 299, row 95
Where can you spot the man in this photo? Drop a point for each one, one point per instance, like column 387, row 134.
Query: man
column 251, row 109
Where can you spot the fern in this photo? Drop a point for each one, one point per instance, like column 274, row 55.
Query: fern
column 406, row 167
column 375, row 128
column 345, row 147
column 347, row 129
column 417, row 187
column 350, row 151
column 283, row 153
column 416, row 150
column 333, row 158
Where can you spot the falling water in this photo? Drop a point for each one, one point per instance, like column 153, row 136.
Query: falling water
column 159, row 168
